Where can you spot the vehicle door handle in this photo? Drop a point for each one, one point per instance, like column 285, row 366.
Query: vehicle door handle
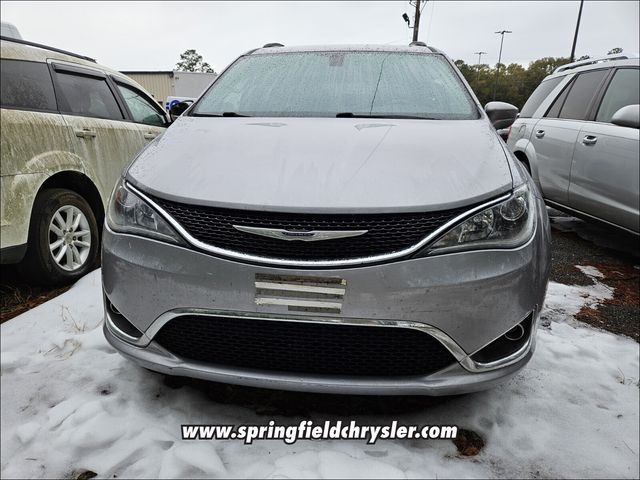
column 589, row 140
column 150, row 136
column 539, row 133
column 85, row 133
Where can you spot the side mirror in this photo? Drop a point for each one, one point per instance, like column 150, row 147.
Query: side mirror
column 501, row 114
column 628, row 116
column 178, row 109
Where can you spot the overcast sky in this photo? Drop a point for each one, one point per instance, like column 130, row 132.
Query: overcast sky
column 151, row 35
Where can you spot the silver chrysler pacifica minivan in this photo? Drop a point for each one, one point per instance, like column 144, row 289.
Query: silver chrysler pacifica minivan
column 332, row 219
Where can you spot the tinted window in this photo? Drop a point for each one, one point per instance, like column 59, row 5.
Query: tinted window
column 26, row 85
column 579, row 98
column 554, row 111
column 141, row 109
column 538, row 96
column 622, row 91
column 312, row 84
column 88, row 96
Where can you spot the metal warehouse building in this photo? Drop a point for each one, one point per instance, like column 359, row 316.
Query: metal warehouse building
column 163, row 84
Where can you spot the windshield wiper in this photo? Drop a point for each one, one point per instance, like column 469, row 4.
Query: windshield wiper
column 224, row 114
column 391, row 115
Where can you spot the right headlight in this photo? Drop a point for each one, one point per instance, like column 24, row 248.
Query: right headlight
column 508, row 224
column 128, row 213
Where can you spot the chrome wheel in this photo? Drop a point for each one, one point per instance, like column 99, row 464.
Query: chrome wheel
column 69, row 238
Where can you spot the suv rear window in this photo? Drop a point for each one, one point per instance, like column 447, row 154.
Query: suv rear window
column 323, row 84
column 26, row 85
column 538, row 96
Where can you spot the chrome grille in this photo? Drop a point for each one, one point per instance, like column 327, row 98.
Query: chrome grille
column 386, row 232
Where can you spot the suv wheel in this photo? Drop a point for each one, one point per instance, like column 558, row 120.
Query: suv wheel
column 63, row 238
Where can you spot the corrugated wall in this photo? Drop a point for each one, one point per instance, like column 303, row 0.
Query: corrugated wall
column 159, row 84
column 192, row 84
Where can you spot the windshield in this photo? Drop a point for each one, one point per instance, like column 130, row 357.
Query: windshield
column 326, row 84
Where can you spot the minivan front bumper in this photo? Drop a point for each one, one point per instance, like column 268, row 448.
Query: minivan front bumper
column 465, row 300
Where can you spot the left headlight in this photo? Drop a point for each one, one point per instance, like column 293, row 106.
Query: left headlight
column 128, row 213
column 508, row 224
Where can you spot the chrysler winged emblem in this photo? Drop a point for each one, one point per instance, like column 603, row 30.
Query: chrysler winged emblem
column 300, row 235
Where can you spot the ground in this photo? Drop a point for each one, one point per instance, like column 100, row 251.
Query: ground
column 72, row 406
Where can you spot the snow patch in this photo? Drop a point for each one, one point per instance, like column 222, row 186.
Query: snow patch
column 564, row 301
column 590, row 271
column 70, row 403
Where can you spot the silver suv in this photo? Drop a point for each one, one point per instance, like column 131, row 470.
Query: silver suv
column 69, row 126
column 335, row 219
column 578, row 136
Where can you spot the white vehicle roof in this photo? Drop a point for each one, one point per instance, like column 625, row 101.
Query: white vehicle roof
column 16, row 49
column 9, row 30
column 422, row 48
column 615, row 60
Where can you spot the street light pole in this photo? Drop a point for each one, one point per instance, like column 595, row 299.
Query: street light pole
column 478, row 66
column 575, row 36
column 495, row 84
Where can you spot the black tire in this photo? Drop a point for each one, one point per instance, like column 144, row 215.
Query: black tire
column 39, row 265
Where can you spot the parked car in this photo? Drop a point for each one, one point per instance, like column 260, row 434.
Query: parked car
column 578, row 136
column 69, row 126
column 334, row 219
column 171, row 101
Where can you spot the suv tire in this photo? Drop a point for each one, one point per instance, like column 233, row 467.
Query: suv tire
column 64, row 238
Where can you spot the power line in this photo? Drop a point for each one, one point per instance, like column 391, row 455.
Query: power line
column 433, row 9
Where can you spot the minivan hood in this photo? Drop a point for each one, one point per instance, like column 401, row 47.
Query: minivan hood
column 324, row 164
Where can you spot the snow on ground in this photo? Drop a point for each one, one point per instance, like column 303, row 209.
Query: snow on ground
column 70, row 403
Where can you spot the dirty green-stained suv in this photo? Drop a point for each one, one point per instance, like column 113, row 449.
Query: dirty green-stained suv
column 69, row 126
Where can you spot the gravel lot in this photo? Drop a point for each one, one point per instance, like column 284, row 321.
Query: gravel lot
column 615, row 255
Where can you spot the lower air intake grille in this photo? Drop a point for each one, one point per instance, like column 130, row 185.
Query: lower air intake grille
column 301, row 347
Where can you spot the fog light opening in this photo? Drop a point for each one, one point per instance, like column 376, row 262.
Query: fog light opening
column 515, row 334
column 119, row 321
column 507, row 344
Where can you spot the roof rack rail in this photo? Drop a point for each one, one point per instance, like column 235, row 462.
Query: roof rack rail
column 273, row 44
column 417, row 43
column 46, row 47
column 591, row 61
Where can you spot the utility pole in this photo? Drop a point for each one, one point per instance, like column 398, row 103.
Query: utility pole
column 575, row 36
column 478, row 66
column 416, row 17
column 416, row 21
column 495, row 84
